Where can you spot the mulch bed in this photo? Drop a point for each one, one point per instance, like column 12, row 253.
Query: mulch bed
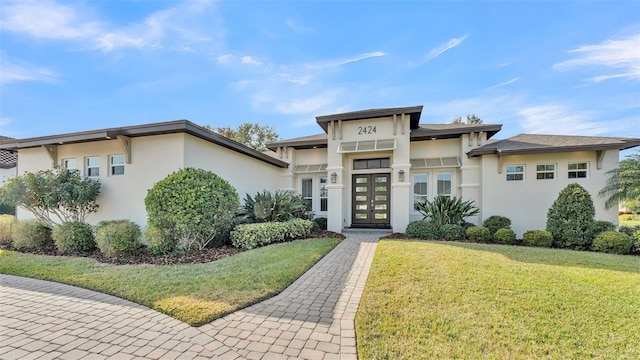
column 142, row 257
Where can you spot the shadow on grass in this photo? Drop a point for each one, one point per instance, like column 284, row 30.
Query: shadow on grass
column 555, row 257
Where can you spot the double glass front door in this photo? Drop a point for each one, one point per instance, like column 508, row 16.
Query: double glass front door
column 371, row 202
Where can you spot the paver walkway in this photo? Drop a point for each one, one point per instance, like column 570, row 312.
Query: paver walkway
column 311, row 319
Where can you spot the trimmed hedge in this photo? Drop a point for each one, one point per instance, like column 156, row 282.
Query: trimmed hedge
column 422, row 229
column 320, row 223
column 452, row 232
column 540, row 238
column 613, row 242
column 74, row 236
column 479, row 234
column 504, row 236
column 7, row 223
column 117, row 237
column 636, row 242
column 159, row 242
column 600, row 226
column 30, row 234
column 496, row 222
column 249, row 236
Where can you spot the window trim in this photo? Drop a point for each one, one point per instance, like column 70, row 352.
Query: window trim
column 545, row 171
column 87, row 167
column 322, row 187
column 507, row 172
column 586, row 171
column 437, row 193
column 112, row 165
column 63, row 164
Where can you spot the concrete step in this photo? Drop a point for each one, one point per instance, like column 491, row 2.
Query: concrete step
column 371, row 231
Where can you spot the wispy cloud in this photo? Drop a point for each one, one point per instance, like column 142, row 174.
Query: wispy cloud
column 11, row 72
column 557, row 119
column 623, row 55
column 249, row 60
column 508, row 82
column 306, row 105
column 345, row 61
column 443, row 48
column 296, row 26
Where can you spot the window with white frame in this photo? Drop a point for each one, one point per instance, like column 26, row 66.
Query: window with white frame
column 92, row 166
column 545, row 171
column 116, row 165
column 69, row 164
column 420, row 189
column 324, row 194
column 515, row 173
column 578, row 170
column 307, row 192
column 445, row 180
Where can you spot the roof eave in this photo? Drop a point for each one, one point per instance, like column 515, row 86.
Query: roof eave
column 413, row 111
column 454, row 133
column 554, row 149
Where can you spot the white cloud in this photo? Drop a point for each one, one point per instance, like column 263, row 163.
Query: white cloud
column 508, row 82
column 557, row 119
column 441, row 49
column 307, row 105
column 296, row 26
column 249, row 60
column 11, row 72
column 345, row 61
column 225, row 59
column 622, row 55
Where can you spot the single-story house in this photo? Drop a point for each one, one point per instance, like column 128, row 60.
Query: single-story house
column 367, row 169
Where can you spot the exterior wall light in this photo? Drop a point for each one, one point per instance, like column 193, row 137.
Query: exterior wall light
column 334, row 177
column 401, row 175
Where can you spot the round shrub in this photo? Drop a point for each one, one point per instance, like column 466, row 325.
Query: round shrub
column 422, row 230
column 540, row 238
column 504, row 236
column 479, row 234
column 496, row 222
column 319, row 223
column 7, row 223
column 159, row 242
column 30, row 234
column 117, row 237
column 613, row 242
column 74, row 236
column 600, row 226
column 636, row 242
column 452, row 232
column 570, row 218
column 191, row 204
column 629, row 230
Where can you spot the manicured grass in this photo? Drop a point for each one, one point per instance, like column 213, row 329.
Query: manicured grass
column 194, row 293
column 629, row 220
column 435, row 300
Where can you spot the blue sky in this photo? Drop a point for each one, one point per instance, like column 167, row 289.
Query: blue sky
column 552, row 67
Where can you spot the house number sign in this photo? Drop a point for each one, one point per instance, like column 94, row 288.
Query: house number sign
column 366, row 130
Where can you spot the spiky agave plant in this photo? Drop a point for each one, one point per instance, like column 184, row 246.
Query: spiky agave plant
column 445, row 210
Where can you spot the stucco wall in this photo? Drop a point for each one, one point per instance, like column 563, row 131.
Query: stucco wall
column 526, row 202
column 6, row 174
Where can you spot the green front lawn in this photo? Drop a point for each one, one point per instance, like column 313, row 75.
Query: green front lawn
column 195, row 293
column 435, row 300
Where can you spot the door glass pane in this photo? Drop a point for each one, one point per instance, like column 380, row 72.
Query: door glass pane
column 361, row 207
column 380, row 207
column 381, row 197
column 361, row 189
column 380, row 216
column 361, row 197
column 361, row 180
column 381, row 188
column 444, row 183
column 381, row 179
column 361, row 216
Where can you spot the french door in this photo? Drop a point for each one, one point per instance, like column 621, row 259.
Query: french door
column 371, row 200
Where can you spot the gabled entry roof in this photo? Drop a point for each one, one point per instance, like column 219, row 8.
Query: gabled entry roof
column 536, row 144
column 414, row 113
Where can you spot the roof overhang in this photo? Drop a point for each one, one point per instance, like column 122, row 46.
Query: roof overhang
column 170, row 127
column 414, row 113
column 623, row 145
column 424, row 133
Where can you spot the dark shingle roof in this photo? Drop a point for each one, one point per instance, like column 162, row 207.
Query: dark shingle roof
column 304, row 142
column 8, row 159
column 532, row 143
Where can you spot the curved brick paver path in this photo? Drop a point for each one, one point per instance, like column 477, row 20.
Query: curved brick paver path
column 311, row 319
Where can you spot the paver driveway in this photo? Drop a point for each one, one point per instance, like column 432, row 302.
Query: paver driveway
column 312, row 319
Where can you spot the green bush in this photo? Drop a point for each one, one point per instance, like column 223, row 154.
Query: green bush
column 540, row 238
column 479, row 234
column 275, row 207
column 613, row 242
column 504, row 236
column 117, row 237
column 7, row 223
column 30, row 234
column 629, row 230
column 447, row 210
column 495, row 222
column 570, row 218
column 249, row 236
column 159, row 242
column 193, row 205
column 422, row 229
column 600, row 226
column 319, row 223
column 636, row 242
column 74, row 236
column 452, row 232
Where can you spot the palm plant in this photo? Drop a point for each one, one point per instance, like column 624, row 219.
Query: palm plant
column 624, row 182
column 445, row 210
column 278, row 206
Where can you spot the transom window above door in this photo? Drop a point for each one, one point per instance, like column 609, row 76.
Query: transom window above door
column 362, row 164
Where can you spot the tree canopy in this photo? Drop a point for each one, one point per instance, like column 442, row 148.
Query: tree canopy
column 471, row 119
column 253, row 135
column 624, row 182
